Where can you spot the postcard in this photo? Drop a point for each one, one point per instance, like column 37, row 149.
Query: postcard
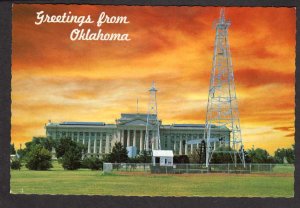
column 172, row 101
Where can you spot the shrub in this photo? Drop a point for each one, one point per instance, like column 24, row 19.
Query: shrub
column 69, row 153
column 92, row 163
column 181, row 159
column 71, row 159
column 38, row 158
column 85, row 163
column 95, row 163
column 15, row 164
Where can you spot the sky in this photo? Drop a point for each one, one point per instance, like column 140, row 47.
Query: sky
column 54, row 78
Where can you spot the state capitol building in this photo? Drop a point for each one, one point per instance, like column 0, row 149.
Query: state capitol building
column 130, row 130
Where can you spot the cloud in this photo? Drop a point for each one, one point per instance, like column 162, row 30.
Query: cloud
column 290, row 135
column 285, row 128
column 55, row 78
column 256, row 77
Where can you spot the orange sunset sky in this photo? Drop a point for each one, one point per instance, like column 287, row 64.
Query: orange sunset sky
column 57, row 79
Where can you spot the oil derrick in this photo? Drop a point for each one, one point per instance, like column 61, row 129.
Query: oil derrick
column 152, row 136
column 222, row 108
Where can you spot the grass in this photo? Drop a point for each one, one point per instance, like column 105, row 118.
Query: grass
column 86, row 182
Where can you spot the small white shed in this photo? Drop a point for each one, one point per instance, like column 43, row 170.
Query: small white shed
column 162, row 157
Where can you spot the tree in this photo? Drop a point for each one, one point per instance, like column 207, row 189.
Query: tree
column 12, row 149
column 247, row 158
column 259, row 155
column 70, row 153
column 197, row 156
column 118, row 154
column 281, row 154
column 144, row 157
column 38, row 158
column 21, row 153
column 226, row 155
column 47, row 142
column 71, row 159
column 15, row 164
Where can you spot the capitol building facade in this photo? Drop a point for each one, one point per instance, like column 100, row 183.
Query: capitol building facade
column 130, row 130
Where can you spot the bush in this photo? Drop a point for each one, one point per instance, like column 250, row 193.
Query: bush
column 181, row 159
column 71, row 159
column 144, row 157
column 95, row 163
column 92, row 163
column 69, row 153
column 38, row 158
column 85, row 163
column 15, row 164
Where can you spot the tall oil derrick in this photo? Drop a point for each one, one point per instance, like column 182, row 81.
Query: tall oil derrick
column 152, row 136
column 222, row 108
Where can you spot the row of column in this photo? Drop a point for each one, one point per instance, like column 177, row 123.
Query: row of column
column 181, row 152
column 122, row 136
column 126, row 136
column 90, row 140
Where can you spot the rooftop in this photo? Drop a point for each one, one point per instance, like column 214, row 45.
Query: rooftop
column 162, row 153
column 129, row 116
column 79, row 123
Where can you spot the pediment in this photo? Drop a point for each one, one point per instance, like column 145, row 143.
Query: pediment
column 136, row 122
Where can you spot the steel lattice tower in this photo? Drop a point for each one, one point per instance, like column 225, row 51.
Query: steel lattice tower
column 222, row 107
column 152, row 137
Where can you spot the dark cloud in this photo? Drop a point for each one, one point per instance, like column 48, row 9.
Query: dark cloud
column 251, row 77
column 290, row 135
column 285, row 128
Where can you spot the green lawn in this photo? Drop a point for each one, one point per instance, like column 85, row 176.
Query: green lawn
column 59, row 181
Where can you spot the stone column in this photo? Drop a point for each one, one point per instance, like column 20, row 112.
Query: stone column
column 107, row 143
column 174, row 145
column 100, row 146
column 89, row 145
column 180, row 147
column 141, row 140
column 128, row 138
column 186, row 148
column 215, row 145
column 95, row 145
column 191, row 148
column 122, row 137
column 134, row 138
column 78, row 137
column 83, row 140
column 119, row 135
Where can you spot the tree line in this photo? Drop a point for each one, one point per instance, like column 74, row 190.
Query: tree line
column 258, row 155
column 38, row 155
